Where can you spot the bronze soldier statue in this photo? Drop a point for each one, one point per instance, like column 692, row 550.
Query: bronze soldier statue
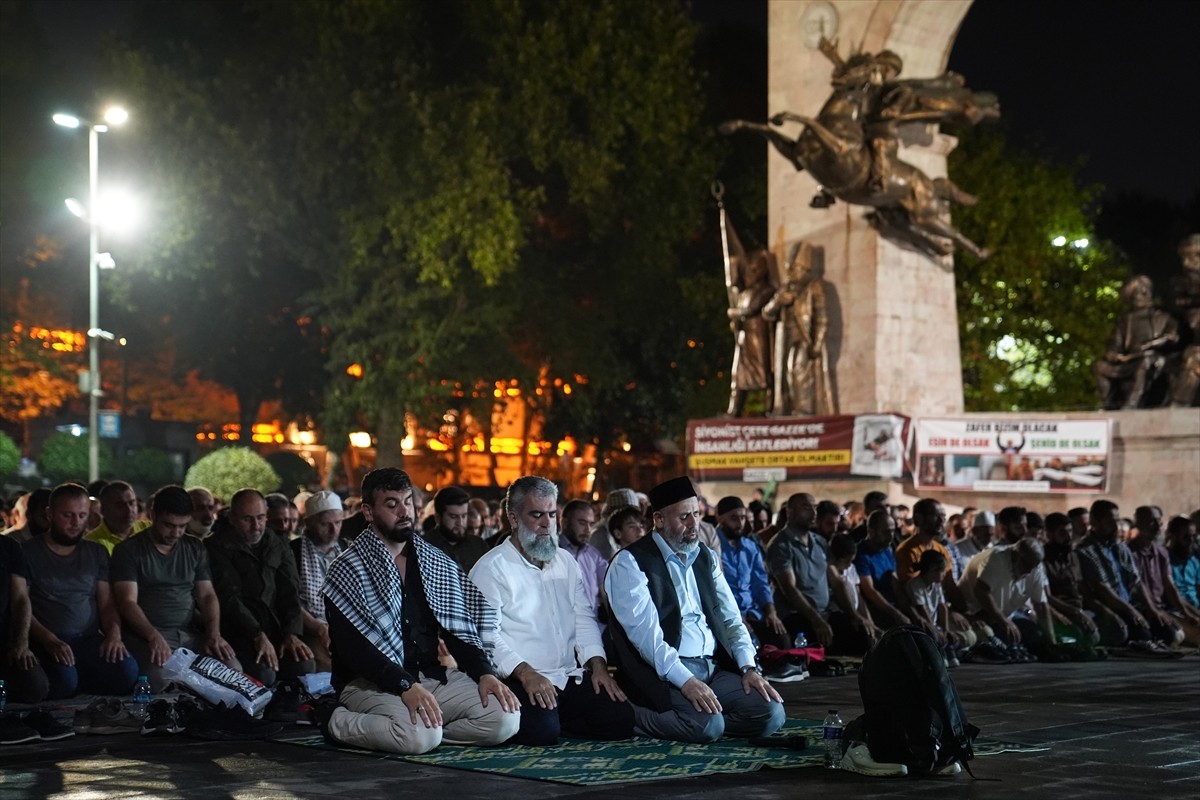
column 749, row 284
column 1138, row 350
column 801, row 362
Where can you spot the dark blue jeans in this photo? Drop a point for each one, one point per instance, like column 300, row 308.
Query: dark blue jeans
column 90, row 674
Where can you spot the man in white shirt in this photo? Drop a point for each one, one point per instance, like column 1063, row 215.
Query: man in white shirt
column 547, row 645
column 678, row 635
column 1000, row 581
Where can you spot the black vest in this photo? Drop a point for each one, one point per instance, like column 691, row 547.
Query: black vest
column 637, row 676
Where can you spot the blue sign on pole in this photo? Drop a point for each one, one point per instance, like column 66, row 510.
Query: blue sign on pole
column 109, row 424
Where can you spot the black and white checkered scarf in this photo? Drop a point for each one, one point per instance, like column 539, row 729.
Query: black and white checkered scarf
column 364, row 584
column 312, row 575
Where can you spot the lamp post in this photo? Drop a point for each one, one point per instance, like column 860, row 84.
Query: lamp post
column 113, row 116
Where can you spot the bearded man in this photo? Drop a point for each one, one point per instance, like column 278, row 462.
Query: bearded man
column 547, row 645
column 388, row 599
column 678, row 636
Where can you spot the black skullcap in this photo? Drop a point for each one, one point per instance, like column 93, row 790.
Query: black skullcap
column 671, row 492
column 450, row 496
column 726, row 504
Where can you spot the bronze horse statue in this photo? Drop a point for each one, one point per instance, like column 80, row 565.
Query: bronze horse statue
column 850, row 147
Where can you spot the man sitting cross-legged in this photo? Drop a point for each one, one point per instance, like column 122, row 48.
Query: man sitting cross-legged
column 548, row 643
column 678, row 636
column 164, row 590
column 388, row 598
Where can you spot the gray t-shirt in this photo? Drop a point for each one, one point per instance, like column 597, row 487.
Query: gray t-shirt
column 806, row 562
column 166, row 583
column 63, row 588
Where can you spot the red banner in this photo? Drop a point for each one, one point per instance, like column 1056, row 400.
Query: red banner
column 755, row 450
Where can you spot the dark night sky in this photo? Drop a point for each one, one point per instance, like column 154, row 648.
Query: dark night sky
column 1112, row 82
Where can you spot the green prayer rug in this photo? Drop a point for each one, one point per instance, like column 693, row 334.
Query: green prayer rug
column 589, row 763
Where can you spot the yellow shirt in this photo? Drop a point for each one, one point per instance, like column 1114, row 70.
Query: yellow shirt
column 102, row 535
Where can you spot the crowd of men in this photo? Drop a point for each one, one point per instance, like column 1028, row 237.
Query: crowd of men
column 464, row 622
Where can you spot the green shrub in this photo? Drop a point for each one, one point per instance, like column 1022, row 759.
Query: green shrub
column 10, row 455
column 225, row 471
column 150, row 467
column 65, row 458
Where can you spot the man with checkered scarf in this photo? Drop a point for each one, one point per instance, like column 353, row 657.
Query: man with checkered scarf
column 388, row 599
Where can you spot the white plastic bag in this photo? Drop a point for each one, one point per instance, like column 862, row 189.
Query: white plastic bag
column 216, row 682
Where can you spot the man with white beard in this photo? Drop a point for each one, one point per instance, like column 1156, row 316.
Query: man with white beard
column 547, row 645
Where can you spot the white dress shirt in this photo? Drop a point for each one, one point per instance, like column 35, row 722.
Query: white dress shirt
column 629, row 595
column 545, row 617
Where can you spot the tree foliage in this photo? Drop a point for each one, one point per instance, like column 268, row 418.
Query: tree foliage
column 149, row 466
column 64, row 457
column 10, row 455
column 449, row 194
column 1034, row 316
column 229, row 469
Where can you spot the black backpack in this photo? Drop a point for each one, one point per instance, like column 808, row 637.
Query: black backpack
column 911, row 712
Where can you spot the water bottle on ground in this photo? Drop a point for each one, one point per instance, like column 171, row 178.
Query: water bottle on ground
column 801, row 641
column 3, row 698
column 831, row 730
column 142, row 697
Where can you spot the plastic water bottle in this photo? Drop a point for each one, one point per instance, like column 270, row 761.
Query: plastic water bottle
column 831, row 732
column 142, row 697
column 3, row 697
column 801, row 641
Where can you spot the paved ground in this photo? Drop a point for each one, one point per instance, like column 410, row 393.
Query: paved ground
column 1119, row 729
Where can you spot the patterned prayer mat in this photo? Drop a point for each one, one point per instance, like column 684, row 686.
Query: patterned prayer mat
column 587, row 763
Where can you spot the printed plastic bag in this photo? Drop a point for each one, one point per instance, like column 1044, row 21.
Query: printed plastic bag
column 216, row 682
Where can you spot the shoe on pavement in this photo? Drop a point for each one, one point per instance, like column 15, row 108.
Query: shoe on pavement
column 160, row 719
column 13, row 730
column 48, row 728
column 953, row 768
column 106, row 716
column 786, row 671
column 858, row 759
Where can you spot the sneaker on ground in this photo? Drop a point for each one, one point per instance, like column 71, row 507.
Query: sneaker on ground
column 953, row 768
column 48, row 728
column 188, row 711
column 858, row 759
column 13, row 730
column 106, row 716
column 160, row 719
column 232, row 724
column 786, row 672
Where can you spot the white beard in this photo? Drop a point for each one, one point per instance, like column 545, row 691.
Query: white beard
column 539, row 548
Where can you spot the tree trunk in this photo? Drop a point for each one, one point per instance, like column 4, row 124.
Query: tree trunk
column 388, row 433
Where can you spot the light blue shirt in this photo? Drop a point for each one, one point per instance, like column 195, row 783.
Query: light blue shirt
column 629, row 595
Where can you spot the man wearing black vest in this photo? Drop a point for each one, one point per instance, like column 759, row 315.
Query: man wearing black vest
column 684, row 656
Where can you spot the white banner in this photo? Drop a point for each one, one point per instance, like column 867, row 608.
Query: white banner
column 1006, row 455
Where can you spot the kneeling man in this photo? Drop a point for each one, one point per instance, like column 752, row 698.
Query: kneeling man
column 387, row 599
column 684, row 655
column 548, row 628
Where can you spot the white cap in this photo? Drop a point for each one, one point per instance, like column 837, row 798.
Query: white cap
column 321, row 501
column 984, row 519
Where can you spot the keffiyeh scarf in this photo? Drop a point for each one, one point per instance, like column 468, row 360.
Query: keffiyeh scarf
column 313, row 566
column 365, row 586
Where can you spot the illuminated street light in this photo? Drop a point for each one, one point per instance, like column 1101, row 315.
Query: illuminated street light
column 1058, row 241
column 1079, row 244
column 112, row 116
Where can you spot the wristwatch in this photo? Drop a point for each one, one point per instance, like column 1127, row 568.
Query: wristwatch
column 404, row 684
column 750, row 668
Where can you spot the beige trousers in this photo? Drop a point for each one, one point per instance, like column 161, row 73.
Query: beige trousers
column 379, row 720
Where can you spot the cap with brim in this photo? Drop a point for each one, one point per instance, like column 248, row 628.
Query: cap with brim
column 668, row 493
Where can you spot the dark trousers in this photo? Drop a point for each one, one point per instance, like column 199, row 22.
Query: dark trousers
column 581, row 714
column 24, row 685
column 90, row 673
column 288, row 667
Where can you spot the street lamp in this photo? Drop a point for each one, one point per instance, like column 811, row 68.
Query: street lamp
column 112, row 116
